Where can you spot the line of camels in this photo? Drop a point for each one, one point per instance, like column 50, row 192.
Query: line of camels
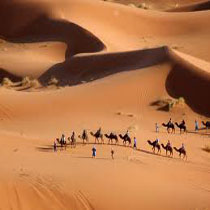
column 99, row 138
column 168, row 148
column 182, row 127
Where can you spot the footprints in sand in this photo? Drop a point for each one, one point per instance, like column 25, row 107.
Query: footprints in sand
column 6, row 112
column 82, row 201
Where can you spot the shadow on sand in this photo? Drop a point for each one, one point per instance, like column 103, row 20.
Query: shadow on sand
column 49, row 148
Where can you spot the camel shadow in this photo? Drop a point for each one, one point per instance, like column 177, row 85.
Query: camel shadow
column 49, row 148
column 89, row 157
column 45, row 149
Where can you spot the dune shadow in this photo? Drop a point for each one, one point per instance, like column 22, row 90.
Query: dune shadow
column 89, row 157
column 85, row 68
column 7, row 74
column 82, row 60
column 192, row 85
column 31, row 23
column 193, row 7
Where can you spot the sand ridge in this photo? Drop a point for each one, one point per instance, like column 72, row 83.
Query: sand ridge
column 113, row 63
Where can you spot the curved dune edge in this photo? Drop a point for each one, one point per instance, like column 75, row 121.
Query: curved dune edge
column 190, row 79
column 194, row 7
column 85, row 57
column 87, row 67
column 185, row 68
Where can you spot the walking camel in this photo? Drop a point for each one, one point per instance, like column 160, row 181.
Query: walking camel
column 154, row 145
column 72, row 140
column 169, row 126
column 97, row 136
column 111, row 137
column 84, row 136
column 181, row 152
column 168, row 148
column 206, row 124
column 125, row 139
column 181, row 126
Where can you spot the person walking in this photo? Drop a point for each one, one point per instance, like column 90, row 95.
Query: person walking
column 196, row 125
column 156, row 128
column 94, row 152
column 55, row 146
column 135, row 143
column 112, row 153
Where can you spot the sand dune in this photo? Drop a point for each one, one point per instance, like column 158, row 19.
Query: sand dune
column 200, row 6
column 113, row 63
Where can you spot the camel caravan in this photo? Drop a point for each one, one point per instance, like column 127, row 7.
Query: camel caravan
column 170, row 126
column 126, row 139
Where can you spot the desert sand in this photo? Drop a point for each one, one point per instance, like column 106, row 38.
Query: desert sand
column 113, row 63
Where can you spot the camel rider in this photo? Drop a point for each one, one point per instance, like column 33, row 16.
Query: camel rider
column 62, row 139
column 84, row 134
column 183, row 122
column 126, row 134
column 157, row 141
column 98, row 132
column 72, row 136
column 170, row 122
column 183, row 146
column 168, row 144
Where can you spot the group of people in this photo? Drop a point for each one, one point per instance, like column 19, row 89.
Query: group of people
column 94, row 152
column 182, row 123
column 62, row 141
column 157, row 141
column 84, row 136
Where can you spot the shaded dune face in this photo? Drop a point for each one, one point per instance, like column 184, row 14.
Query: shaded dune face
column 6, row 74
column 29, row 23
column 192, row 7
column 91, row 67
column 192, row 85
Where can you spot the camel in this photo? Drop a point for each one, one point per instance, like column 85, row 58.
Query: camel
column 207, row 124
column 167, row 148
column 97, row 136
column 72, row 140
column 61, row 142
column 154, row 145
column 181, row 126
column 169, row 126
column 125, row 139
column 112, row 136
column 84, row 136
column 181, row 151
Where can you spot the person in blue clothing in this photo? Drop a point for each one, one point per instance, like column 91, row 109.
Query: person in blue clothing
column 196, row 125
column 135, row 143
column 94, row 152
